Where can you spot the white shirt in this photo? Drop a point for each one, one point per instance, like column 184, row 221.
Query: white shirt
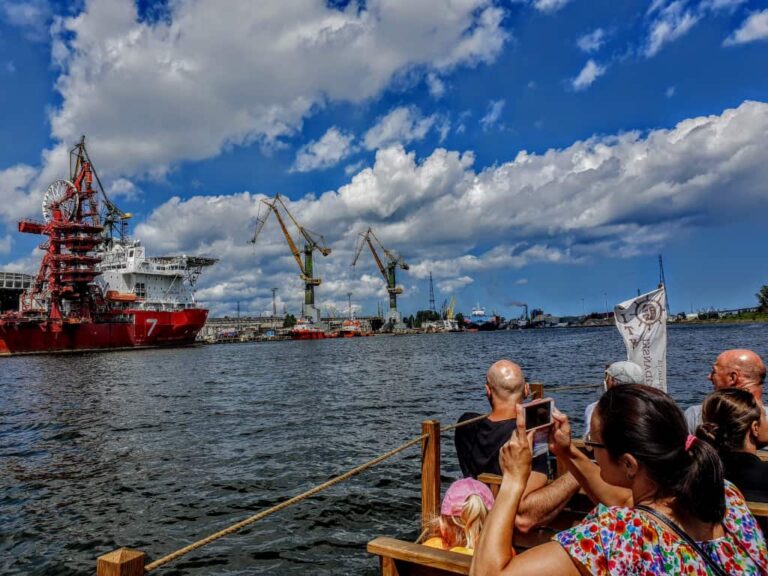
column 693, row 417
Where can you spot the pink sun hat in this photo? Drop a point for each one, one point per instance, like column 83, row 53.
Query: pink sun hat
column 459, row 491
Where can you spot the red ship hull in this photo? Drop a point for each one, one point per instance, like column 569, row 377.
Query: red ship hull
column 308, row 335
column 143, row 329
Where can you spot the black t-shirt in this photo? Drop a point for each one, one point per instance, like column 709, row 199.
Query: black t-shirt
column 749, row 473
column 478, row 445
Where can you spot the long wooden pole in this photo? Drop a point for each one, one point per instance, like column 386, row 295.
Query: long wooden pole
column 430, row 472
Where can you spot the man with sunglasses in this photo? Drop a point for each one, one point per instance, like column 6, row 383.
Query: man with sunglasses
column 738, row 368
column 623, row 372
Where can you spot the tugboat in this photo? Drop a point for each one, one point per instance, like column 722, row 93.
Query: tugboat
column 305, row 329
column 353, row 328
column 94, row 291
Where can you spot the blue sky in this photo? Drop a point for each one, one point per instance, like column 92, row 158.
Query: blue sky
column 542, row 151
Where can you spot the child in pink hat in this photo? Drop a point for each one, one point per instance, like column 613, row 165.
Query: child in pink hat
column 462, row 513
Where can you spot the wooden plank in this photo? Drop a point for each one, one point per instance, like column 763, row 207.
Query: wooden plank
column 121, row 562
column 407, row 556
column 430, row 472
column 758, row 509
column 493, row 481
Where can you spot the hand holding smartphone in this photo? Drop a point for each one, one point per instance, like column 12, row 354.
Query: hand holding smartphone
column 538, row 414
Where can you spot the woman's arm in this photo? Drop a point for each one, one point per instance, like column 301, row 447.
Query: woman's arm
column 494, row 551
column 583, row 469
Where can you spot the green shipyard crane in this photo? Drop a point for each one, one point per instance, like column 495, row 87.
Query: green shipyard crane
column 393, row 262
column 312, row 242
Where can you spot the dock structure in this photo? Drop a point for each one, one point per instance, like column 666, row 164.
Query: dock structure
column 251, row 328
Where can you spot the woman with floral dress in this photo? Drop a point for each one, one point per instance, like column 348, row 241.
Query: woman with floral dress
column 649, row 472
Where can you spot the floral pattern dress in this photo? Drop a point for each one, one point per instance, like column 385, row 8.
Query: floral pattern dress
column 623, row 541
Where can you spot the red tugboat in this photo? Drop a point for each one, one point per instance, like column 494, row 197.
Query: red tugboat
column 94, row 291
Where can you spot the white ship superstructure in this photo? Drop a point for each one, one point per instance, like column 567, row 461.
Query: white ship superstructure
column 158, row 283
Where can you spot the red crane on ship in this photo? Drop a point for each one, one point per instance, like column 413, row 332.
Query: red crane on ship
column 62, row 290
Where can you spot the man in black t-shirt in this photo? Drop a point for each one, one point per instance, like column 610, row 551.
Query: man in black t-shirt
column 478, row 445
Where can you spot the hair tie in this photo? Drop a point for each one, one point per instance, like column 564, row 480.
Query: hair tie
column 689, row 441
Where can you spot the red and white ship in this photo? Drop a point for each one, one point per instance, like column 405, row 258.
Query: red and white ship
column 354, row 328
column 305, row 329
column 94, row 291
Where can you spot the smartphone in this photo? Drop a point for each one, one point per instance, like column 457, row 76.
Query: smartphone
column 538, row 414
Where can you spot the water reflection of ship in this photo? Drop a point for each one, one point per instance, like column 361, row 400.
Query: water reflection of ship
column 479, row 321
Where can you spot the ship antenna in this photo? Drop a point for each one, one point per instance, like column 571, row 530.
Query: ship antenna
column 663, row 282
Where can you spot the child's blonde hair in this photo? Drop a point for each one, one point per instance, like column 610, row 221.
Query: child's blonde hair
column 464, row 529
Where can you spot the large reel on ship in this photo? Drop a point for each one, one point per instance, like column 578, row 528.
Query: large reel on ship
column 61, row 195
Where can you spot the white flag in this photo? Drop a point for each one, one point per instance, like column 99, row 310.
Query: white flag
column 642, row 323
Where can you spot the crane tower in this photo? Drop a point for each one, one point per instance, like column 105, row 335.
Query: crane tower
column 312, row 242
column 393, row 262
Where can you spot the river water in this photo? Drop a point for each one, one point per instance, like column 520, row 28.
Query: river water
column 156, row 449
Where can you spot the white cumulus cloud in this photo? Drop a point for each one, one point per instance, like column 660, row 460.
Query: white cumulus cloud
column 591, row 72
column 207, row 78
column 672, row 21
column 32, row 16
column 333, row 147
column 604, row 197
column 592, row 42
column 549, row 5
column 403, row 124
column 491, row 118
column 754, row 28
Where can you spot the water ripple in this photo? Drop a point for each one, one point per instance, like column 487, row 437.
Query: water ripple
column 155, row 449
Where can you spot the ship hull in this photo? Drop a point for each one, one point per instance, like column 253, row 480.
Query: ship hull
column 308, row 335
column 142, row 329
column 482, row 326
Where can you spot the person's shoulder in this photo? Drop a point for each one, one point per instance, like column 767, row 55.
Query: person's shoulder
column 693, row 410
column 468, row 416
column 613, row 519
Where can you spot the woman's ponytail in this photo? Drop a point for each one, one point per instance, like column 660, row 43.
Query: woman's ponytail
column 700, row 490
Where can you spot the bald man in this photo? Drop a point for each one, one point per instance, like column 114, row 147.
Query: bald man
column 478, row 444
column 737, row 368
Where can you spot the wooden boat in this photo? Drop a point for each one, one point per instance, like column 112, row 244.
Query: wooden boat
column 403, row 558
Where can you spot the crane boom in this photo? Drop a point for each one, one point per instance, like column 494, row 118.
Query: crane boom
column 313, row 242
column 291, row 243
column 387, row 272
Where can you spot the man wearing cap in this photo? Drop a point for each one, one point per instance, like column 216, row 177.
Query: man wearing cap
column 623, row 372
column 478, row 445
column 738, row 368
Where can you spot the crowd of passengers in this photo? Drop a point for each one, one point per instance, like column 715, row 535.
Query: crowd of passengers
column 671, row 488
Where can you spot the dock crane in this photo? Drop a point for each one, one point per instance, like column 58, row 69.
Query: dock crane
column 312, row 242
column 393, row 262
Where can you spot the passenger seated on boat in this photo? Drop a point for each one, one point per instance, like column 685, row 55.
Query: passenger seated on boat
column 478, row 445
column 649, row 471
column 465, row 506
column 623, row 372
column 732, row 369
column 736, row 425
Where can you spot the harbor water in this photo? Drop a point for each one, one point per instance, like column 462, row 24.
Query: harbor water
column 156, row 449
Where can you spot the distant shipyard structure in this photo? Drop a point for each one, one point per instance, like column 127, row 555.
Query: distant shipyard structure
column 312, row 242
column 394, row 261
column 12, row 285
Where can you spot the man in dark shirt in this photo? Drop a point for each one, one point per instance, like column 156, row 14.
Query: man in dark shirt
column 478, row 444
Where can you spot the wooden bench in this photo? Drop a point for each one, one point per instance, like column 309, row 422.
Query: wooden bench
column 400, row 558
